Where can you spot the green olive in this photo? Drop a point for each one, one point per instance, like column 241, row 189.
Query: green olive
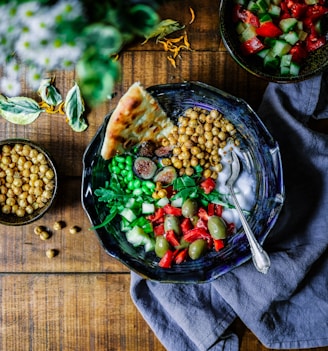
column 217, row 227
column 189, row 208
column 197, row 249
column 161, row 246
column 172, row 223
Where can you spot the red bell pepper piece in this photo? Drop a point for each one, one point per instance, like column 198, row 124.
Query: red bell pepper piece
column 197, row 233
column 251, row 46
column 218, row 210
column 158, row 215
column 167, row 259
column 211, row 209
column 268, row 29
column 175, row 211
column 314, row 42
column 230, row 228
column 244, row 15
column 201, row 224
column 186, row 225
column 180, row 256
column 298, row 53
column 218, row 244
column 298, row 10
column 208, row 185
column 172, row 238
column 202, row 214
column 159, row 229
column 316, row 11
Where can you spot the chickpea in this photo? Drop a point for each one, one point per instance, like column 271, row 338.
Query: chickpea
column 50, row 253
column 207, row 173
column 58, row 225
column 75, row 229
column 20, row 212
column 44, row 235
column 6, row 209
column 162, row 193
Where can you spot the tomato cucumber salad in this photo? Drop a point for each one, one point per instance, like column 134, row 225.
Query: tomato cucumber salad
column 180, row 218
column 281, row 32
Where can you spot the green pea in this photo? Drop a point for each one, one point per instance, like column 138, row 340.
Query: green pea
column 217, row 227
column 161, row 246
column 129, row 160
column 116, row 170
column 149, row 184
column 146, row 190
column 197, row 249
column 137, row 184
column 131, row 185
column 137, row 192
column 121, row 165
column 124, row 172
column 130, row 176
column 120, row 159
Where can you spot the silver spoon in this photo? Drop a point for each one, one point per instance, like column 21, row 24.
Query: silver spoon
column 260, row 258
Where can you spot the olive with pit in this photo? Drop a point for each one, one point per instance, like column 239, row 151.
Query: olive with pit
column 217, row 227
column 197, row 249
column 161, row 246
column 189, row 208
column 172, row 223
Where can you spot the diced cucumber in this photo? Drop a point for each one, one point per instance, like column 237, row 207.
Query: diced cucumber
column 265, row 18
column 247, row 34
column 291, row 37
column 148, row 208
column 131, row 202
column 294, row 68
column 271, row 61
column 240, row 27
column 284, row 70
column 287, row 24
column 318, row 26
column 253, row 7
column 125, row 225
column 137, row 237
column 177, row 202
column 311, row 2
column 302, row 35
column 262, row 5
column 263, row 53
column 280, row 47
column 162, row 202
column 128, row 214
column 286, row 60
column 274, row 10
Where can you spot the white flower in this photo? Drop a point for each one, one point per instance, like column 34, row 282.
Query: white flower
column 10, row 86
column 28, row 11
column 12, row 69
column 34, row 77
column 66, row 10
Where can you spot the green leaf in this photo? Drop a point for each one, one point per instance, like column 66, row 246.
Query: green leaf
column 164, row 28
column 49, row 93
column 19, row 110
column 74, row 109
column 106, row 40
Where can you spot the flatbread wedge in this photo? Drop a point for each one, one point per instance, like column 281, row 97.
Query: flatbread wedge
column 137, row 118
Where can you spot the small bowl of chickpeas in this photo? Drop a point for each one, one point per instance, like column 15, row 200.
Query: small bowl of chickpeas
column 28, row 181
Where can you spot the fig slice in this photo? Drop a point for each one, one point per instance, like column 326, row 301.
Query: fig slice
column 166, row 175
column 144, row 167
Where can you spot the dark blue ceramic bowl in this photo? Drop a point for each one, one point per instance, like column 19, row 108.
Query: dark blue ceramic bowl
column 316, row 63
column 259, row 148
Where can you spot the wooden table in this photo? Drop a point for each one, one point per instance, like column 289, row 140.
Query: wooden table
column 80, row 299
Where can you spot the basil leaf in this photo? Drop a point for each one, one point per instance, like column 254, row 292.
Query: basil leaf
column 19, row 110
column 48, row 92
column 74, row 109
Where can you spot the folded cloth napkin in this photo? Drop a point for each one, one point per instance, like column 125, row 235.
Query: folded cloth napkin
column 288, row 307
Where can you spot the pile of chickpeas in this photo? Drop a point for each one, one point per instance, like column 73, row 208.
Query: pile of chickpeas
column 27, row 181
column 196, row 140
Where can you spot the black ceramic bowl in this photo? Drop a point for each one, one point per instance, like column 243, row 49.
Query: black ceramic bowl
column 262, row 154
column 316, row 63
column 44, row 158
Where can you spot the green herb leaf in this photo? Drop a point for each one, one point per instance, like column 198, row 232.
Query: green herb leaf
column 48, row 92
column 19, row 110
column 74, row 109
column 163, row 29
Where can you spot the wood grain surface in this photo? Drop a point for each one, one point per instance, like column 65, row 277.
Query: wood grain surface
column 80, row 299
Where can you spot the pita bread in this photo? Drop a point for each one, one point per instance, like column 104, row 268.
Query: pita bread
column 137, row 118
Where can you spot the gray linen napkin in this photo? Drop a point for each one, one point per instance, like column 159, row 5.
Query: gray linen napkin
column 288, row 307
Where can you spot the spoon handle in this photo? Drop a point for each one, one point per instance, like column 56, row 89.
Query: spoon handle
column 260, row 258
